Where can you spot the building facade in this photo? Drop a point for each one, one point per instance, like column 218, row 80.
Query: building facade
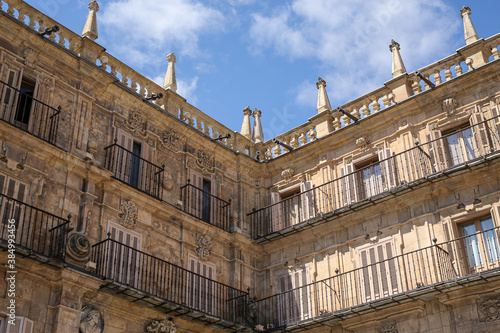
column 126, row 209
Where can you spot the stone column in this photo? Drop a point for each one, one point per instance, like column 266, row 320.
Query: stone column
column 470, row 33
column 170, row 79
column 246, row 128
column 258, row 134
column 90, row 28
column 398, row 66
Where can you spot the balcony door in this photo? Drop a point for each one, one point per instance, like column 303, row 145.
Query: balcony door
column 202, row 197
column 123, row 261
column 130, row 166
column 379, row 273
column 482, row 250
column 201, row 289
column 294, row 297
column 11, row 209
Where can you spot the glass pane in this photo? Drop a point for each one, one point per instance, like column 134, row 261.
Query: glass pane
column 470, row 147
column 454, row 148
column 490, row 239
column 471, row 245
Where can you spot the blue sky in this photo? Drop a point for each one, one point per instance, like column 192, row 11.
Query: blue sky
column 269, row 54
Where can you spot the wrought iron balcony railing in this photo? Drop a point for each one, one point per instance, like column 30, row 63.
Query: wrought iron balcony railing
column 32, row 229
column 389, row 172
column 134, row 170
column 433, row 266
column 27, row 113
column 143, row 272
column 205, row 206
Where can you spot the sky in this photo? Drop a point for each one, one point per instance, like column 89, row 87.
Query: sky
column 269, row 54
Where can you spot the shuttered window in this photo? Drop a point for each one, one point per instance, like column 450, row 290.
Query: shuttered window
column 201, row 287
column 23, row 325
column 295, row 301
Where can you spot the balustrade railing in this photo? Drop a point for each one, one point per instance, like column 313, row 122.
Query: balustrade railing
column 127, row 266
column 387, row 173
column 32, row 229
column 429, row 266
column 27, row 113
column 206, row 206
column 135, row 170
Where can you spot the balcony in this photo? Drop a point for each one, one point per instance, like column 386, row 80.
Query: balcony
column 32, row 230
column 134, row 170
column 22, row 110
column 155, row 282
column 471, row 259
column 371, row 183
column 206, row 206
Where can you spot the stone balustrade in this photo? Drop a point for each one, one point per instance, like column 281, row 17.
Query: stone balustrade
column 125, row 75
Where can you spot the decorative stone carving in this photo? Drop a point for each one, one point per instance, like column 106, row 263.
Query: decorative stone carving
column 3, row 156
column 165, row 325
column 92, row 147
column 21, row 164
column 128, row 214
column 312, row 134
column 391, row 328
column 171, row 139
column 205, row 161
column 449, row 106
column 287, row 174
column 91, row 321
column 136, row 122
column 491, row 308
column 204, row 250
column 363, row 142
column 78, row 246
column 30, row 56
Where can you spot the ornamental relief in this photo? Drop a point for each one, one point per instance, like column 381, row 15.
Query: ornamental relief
column 391, row 328
column 170, row 139
column 204, row 250
column 128, row 214
column 362, row 143
column 491, row 309
column 164, row 326
column 205, row 161
column 136, row 122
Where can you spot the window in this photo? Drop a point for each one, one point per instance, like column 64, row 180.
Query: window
column 460, row 145
column 24, row 104
column 130, row 167
column 202, row 197
column 295, row 298
column 369, row 177
column 123, row 260
column 11, row 209
column 23, row 325
column 480, row 242
column 379, row 271
column 201, row 286
column 291, row 206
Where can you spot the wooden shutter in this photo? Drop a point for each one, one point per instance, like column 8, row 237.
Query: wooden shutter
column 348, row 182
column 276, row 212
column 307, row 200
column 9, row 95
column 388, row 169
column 481, row 137
column 123, row 158
column 23, row 325
column 18, row 190
column 195, row 195
column 202, row 293
column 438, row 153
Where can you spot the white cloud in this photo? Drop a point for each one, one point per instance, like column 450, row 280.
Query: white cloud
column 173, row 25
column 187, row 90
column 351, row 38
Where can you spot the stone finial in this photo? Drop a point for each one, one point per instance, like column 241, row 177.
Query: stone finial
column 470, row 33
column 90, row 28
column 258, row 134
column 323, row 101
column 398, row 66
column 246, row 127
column 170, row 79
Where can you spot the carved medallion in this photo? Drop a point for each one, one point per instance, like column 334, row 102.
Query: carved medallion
column 136, row 122
column 287, row 174
column 204, row 249
column 449, row 106
column 388, row 329
column 164, row 326
column 491, row 308
column 363, row 142
column 170, row 139
column 205, row 161
column 78, row 246
column 91, row 321
column 128, row 214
